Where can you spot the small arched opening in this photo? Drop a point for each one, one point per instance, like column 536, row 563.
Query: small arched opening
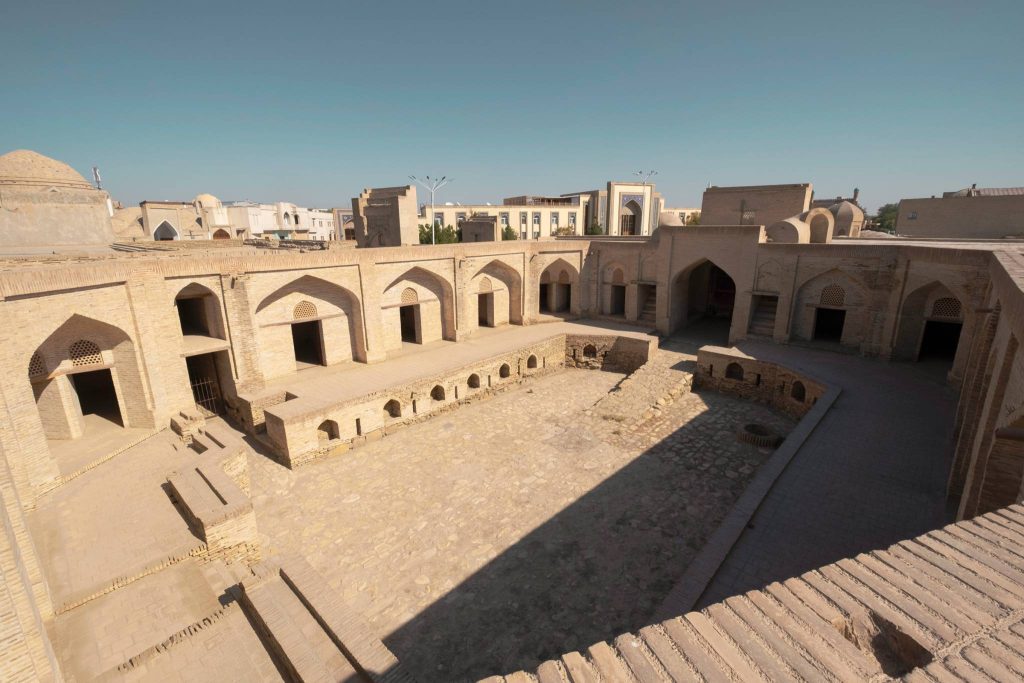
column 830, row 314
column 504, row 371
column 531, row 362
column 165, row 232
column 798, row 392
column 437, row 393
column 630, row 218
column 474, row 381
column 734, row 371
column 327, row 431
column 707, row 293
column 590, row 351
column 392, row 409
column 556, row 283
column 221, row 234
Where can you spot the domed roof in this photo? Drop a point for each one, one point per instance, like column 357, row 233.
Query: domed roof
column 669, row 219
column 845, row 208
column 25, row 167
column 207, row 201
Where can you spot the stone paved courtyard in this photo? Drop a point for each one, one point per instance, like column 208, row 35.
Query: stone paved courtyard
column 509, row 530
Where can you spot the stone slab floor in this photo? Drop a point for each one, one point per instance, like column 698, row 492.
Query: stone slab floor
column 510, row 530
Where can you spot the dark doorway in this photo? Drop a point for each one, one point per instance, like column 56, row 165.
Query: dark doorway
column 204, row 378
column 485, row 310
column 409, row 317
column 192, row 315
column 544, row 307
column 828, row 324
column 940, row 340
column 563, row 297
column 97, row 395
column 308, row 342
column 618, row 300
column 627, row 225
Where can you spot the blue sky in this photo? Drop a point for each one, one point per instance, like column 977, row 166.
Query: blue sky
column 310, row 102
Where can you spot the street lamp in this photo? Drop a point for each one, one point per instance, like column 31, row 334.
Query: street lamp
column 645, row 176
column 433, row 185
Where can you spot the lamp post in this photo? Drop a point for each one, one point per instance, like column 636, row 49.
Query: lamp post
column 432, row 185
column 645, row 176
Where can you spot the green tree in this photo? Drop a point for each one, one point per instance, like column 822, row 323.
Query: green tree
column 594, row 229
column 445, row 235
column 507, row 233
column 885, row 219
column 694, row 219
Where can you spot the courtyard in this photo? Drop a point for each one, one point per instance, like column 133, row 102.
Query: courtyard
column 494, row 536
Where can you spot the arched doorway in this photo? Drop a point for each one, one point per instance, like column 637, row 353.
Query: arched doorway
column 504, row 294
column 615, row 303
column 931, row 322
column 704, row 294
column 556, row 288
column 221, row 234
column 630, row 218
column 418, row 307
column 165, row 232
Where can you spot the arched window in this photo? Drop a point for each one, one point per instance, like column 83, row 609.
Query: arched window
column 85, row 352
column 486, row 285
column 946, row 307
column 734, row 371
column 833, row 295
column 304, row 309
column 797, row 392
column 437, row 393
column 409, row 297
column 36, row 367
column 327, row 431
column 531, row 362
column 590, row 351
column 504, row 370
column 473, row 381
column 392, row 409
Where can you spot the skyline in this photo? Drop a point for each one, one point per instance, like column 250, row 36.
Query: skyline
column 312, row 104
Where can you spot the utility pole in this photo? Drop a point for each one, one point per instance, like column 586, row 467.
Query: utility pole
column 645, row 176
column 432, row 185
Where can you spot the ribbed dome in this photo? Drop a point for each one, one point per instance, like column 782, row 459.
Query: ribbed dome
column 669, row 219
column 25, row 167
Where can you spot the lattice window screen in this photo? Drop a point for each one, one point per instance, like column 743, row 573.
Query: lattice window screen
column 485, row 285
column 85, row 352
column 409, row 296
column 946, row 307
column 833, row 295
column 304, row 309
column 36, row 366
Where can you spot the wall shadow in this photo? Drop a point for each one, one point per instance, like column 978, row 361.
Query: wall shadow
column 596, row 569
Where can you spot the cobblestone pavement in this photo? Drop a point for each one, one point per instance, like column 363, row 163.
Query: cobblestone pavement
column 510, row 530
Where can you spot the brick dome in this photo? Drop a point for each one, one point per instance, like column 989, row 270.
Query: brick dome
column 25, row 167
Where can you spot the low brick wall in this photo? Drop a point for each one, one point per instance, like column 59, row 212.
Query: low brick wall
column 733, row 372
column 608, row 352
column 311, row 426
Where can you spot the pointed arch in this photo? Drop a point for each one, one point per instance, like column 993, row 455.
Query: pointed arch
column 831, row 306
column 335, row 307
column 930, row 315
column 435, row 305
column 497, row 271
column 199, row 311
column 558, row 285
column 703, row 289
column 165, row 232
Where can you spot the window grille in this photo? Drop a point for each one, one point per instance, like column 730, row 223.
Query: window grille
column 84, row 352
column 946, row 307
column 36, row 366
column 304, row 309
column 409, row 296
column 833, row 295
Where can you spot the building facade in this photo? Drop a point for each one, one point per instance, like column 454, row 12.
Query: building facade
column 971, row 213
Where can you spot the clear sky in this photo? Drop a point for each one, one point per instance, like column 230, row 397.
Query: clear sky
column 310, row 102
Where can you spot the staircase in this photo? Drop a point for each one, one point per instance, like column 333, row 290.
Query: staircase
column 762, row 323
column 648, row 312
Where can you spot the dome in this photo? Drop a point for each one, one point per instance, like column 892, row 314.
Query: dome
column 849, row 218
column 669, row 219
column 25, row 167
column 207, row 201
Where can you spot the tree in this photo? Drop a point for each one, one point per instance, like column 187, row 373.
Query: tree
column 885, row 219
column 693, row 219
column 445, row 235
column 594, row 229
column 507, row 233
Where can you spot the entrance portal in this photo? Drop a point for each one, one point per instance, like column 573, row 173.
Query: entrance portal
column 940, row 340
column 97, row 395
column 828, row 324
column 544, row 308
column 485, row 310
column 308, row 341
column 409, row 317
column 204, row 378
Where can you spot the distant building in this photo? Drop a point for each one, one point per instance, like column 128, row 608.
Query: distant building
column 205, row 217
column 974, row 212
column 385, row 217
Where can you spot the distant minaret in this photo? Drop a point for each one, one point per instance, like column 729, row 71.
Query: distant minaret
column 96, row 177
